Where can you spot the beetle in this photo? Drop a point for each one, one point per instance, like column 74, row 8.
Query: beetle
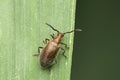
column 49, row 52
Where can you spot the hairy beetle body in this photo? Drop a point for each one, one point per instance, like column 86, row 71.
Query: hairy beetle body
column 49, row 52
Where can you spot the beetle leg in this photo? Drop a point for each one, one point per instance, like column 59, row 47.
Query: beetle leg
column 49, row 69
column 46, row 40
column 55, row 62
column 64, row 45
column 35, row 54
column 52, row 65
column 38, row 51
column 52, row 35
column 63, row 52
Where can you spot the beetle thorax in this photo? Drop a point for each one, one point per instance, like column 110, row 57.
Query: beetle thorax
column 58, row 38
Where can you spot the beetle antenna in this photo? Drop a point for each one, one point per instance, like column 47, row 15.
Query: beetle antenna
column 72, row 31
column 52, row 27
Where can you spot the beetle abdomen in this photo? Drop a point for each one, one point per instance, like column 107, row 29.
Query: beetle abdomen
column 48, row 54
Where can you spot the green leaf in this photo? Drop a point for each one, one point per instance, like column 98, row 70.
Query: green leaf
column 23, row 29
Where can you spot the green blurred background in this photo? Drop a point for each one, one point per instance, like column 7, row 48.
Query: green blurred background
column 96, row 53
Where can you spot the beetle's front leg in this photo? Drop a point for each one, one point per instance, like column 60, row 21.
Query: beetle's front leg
column 52, row 35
